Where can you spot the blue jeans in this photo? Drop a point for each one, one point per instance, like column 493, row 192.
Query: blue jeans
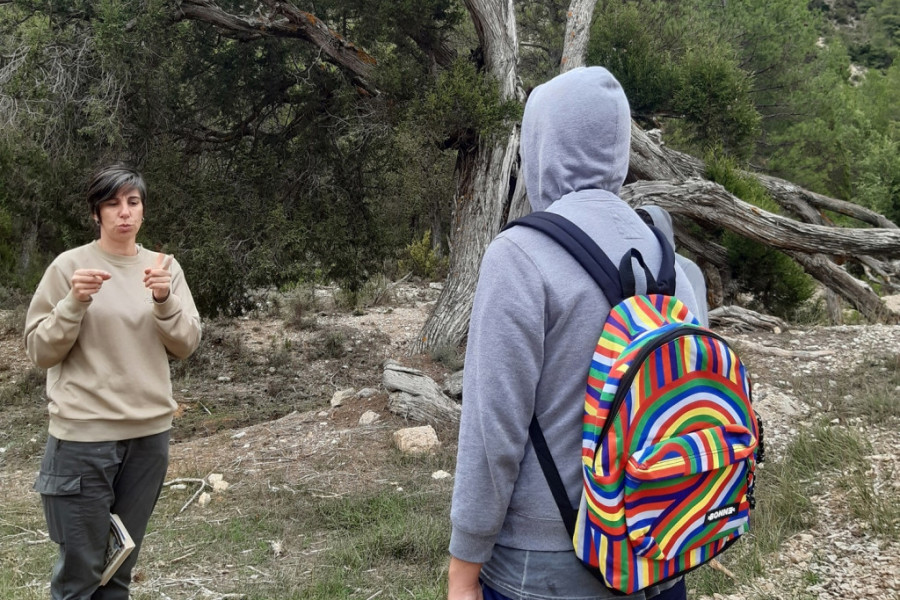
column 676, row 592
column 80, row 484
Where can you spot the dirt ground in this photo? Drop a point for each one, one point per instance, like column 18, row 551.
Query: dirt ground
column 256, row 404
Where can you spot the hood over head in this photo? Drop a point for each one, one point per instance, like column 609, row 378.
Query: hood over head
column 576, row 135
column 661, row 219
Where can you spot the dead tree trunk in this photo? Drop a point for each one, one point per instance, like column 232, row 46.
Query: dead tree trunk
column 484, row 184
column 578, row 25
column 710, row 202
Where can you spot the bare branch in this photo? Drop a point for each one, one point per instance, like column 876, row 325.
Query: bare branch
column 711, row 203
column 287, row 22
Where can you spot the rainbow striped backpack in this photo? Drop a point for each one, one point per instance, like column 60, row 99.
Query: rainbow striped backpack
column 670, row 441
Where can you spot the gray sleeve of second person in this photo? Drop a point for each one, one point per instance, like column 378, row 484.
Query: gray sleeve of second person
column 698, row 284
column 504, row 354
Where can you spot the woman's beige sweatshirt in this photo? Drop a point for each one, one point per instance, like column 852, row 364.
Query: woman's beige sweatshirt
column 107, row 359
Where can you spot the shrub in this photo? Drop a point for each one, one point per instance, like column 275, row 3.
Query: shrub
column 300, row 307
column 421, row 259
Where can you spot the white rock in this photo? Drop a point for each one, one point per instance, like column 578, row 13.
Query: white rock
column 440, row 474
column 204, row 499
column 369, row 417
column 416, row 440
column 366, row 393
column 340, row 396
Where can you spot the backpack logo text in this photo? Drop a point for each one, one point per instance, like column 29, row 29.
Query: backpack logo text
column 721, row 513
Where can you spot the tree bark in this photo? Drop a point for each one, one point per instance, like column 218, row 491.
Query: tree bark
column 578, row 29
column 787, row 194
column 744, row 319
column 651, row 161
column 484, row 184
column 711, row 203
column 859, row 295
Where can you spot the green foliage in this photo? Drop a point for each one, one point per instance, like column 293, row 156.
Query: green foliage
column 267, row 166
column 874, row 39
column 246, row 189
column 714, row 99
column 847, row 145
column 777, row 284
column 449, row 356
column 724, row 170
column 331, row 344
column 421, row 260
column 541, row 25
column 465, row 104
column 672, row 64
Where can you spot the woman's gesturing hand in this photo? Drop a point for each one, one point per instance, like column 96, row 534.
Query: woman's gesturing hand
column 158, row 278
column 87, row 282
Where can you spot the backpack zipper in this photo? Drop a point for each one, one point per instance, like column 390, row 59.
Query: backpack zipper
column 634, row 367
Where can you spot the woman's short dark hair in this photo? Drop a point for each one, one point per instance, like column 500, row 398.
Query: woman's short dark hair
column 107, row 182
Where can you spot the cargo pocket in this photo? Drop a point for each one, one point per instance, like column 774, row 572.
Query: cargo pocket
column 51, row 484
column 688, row 491
column 53, row 488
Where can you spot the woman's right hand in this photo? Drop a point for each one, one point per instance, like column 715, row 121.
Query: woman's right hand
column 87, row 282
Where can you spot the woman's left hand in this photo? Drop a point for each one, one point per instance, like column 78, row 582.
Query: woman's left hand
column 158, row 279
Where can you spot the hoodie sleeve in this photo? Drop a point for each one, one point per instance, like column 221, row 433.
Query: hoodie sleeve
column 504, row 354
column 177, row 319
column 54, row 319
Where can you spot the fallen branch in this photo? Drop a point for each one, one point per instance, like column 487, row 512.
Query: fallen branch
column 744, row 319
column 773, row 351
column 715, row 564
column 202, row 483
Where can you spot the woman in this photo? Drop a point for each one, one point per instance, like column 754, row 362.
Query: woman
column 104, row 320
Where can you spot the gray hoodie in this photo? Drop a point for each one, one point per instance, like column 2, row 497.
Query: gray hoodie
column 535, row 321
column 662, row 220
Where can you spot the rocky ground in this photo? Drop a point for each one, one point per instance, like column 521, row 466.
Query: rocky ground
column 839, row 558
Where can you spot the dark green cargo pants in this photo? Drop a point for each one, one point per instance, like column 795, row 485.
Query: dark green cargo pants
column 80, row 484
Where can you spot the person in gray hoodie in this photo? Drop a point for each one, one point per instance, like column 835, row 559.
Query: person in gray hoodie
column 536, row 318
column 662, row 220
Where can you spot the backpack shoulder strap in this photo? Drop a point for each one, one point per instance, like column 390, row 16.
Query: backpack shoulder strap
column 602, row 270
column 551, row 474
column 582, row 248
column 663, row 283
